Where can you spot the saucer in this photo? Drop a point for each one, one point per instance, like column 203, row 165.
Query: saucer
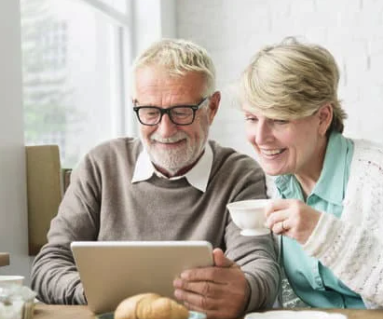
column 255, row 232
column 192, row 315
column 196, row 315
column 299, row 314
column 109, row 315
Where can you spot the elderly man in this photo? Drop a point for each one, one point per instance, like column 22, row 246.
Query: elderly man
column 171, row 184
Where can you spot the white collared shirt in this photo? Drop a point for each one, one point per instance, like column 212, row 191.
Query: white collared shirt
column 198, row 176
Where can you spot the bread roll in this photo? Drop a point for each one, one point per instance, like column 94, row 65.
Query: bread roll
column 127, row 308
column 150, row 306
column 144, row 307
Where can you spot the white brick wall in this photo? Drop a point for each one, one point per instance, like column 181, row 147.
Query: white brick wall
column 233, row 30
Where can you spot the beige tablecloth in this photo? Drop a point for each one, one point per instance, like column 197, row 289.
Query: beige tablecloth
column 82, row 312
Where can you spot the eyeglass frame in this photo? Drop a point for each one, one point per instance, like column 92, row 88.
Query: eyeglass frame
column 193, row 107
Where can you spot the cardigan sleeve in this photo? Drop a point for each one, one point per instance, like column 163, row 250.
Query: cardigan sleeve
column 352, row 246
column 353, row 253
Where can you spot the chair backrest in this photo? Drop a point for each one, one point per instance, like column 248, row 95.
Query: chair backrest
column 44, row 191
column 4, row 259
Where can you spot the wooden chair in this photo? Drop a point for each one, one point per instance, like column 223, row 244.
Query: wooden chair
column 44, row 191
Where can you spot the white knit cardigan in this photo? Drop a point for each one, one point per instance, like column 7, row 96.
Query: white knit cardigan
column 352, row 246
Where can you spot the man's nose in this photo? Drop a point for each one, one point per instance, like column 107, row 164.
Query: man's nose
column 166, row 127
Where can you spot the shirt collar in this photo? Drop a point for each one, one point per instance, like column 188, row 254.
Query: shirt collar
column 333, row 171
column 287, row 187
column 198, row 176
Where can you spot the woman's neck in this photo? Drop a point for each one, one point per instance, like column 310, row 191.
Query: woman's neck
column 309, row 175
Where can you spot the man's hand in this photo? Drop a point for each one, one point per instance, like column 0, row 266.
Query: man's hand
column 220, row 291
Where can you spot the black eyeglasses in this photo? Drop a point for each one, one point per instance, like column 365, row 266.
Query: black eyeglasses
column 179, row 115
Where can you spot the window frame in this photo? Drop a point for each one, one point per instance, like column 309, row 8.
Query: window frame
column 123, row 116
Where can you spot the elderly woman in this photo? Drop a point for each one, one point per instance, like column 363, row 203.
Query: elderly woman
column 330, row 211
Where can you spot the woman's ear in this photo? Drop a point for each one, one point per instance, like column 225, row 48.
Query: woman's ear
column 325, row 114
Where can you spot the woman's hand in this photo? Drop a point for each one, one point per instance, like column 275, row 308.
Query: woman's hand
column 292, row 218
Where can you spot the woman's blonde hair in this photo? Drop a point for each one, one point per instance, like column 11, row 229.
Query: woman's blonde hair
column 179, row 57
column 292, row 80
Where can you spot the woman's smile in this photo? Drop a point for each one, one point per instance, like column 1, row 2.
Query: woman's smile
column 271, row 153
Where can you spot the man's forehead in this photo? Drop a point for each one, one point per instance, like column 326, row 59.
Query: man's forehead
column 154, row 73
column 166, row 101
column 155, row 87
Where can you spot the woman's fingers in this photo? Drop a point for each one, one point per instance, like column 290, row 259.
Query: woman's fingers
column 292, row 218
column 276, row 217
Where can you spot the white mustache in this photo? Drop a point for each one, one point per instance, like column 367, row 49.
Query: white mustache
column 172, row 139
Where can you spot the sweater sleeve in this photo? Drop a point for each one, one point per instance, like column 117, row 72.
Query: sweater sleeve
column 54, row 273
column 256, row 255
column 262, row 274
column 354, row 254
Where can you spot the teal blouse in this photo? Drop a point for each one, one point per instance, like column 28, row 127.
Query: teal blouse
column 315, row 284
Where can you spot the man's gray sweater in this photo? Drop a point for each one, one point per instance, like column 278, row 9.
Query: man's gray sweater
column 103, row 204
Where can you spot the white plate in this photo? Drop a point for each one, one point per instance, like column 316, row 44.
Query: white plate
column 192, row 315
column 288, row 314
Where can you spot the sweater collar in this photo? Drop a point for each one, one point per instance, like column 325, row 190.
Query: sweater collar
column 198, row 176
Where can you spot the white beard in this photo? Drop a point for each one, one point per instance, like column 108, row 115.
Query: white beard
column 174, row 160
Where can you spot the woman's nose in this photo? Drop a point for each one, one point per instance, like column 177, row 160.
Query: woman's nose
column 263, row 132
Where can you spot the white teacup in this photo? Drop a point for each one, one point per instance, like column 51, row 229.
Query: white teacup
column 249, row 215
column 18, row 280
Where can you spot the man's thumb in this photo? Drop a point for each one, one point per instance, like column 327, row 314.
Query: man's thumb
column 220, row 259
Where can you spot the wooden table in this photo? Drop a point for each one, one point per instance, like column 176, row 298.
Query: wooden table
column 82, row 312
column 4, row 259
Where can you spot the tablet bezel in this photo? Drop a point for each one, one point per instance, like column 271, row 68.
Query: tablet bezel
column 111, row 271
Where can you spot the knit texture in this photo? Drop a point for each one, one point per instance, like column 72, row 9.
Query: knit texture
column 352, row 246
column 102, row 204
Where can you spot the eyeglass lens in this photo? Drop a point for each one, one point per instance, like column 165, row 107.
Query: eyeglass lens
column 179, row 115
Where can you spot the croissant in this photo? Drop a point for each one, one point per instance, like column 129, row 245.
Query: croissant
column 150, row 306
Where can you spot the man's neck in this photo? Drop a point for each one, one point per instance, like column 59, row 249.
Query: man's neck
column 181, row 172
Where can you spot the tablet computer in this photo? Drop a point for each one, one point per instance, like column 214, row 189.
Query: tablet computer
column 111, row 271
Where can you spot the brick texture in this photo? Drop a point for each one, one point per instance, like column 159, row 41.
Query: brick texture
column 233, row 30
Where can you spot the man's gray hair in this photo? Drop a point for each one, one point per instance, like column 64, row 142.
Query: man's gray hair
column 178, row 57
